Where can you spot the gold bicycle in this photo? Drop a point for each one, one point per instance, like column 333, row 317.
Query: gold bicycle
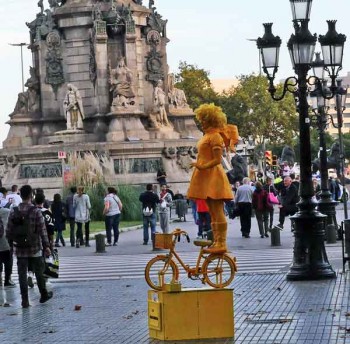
column 217, row 270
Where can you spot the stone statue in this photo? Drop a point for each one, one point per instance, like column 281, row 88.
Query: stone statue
column 121, row 79
column 288, row 155
column 159, row 104
column 333, row 160
column 73, row 108
column 41, row 5
column 33, row 92
column 177, row 97
column 21, row 104
column 239, row 169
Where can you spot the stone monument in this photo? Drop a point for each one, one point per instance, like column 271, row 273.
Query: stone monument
column 99, row 83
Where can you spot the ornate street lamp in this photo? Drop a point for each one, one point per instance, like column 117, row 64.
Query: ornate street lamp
column 320, row 121
column 340, row 105
column 310, row 259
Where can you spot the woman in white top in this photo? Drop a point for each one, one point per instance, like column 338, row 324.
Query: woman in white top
column 82, row 206
column 112, row 210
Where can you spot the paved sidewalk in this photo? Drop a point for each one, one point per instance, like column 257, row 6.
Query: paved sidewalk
column 268, row 309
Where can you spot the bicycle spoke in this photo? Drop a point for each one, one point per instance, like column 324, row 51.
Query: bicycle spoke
column 219, row 270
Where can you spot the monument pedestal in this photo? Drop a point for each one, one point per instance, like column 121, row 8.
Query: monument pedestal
column 167, row 133
column 191, row 314
column 69, row 136
column 124, row 126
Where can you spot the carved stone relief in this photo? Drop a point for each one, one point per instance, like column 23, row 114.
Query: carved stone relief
column 183, row 155
column 47, row 170
column 137, row 165
column 54, row 68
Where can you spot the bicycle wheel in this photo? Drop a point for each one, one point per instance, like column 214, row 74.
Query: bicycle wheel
column 219, row 270
column 160, row 270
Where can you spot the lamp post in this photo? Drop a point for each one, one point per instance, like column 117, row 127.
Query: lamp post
column 21, row 45
column 310, row 259
column 320, row 120
column 340, row 101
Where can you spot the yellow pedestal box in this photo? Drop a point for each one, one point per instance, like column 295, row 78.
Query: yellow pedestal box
column 191, row 314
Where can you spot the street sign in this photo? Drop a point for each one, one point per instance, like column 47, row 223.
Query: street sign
column 61, row 155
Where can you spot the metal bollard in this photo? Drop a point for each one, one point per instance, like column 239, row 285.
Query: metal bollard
column 275, row 236
column 100, row 243
column 331, row 234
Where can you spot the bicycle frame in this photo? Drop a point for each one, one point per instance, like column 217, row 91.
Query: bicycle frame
column 196, row 271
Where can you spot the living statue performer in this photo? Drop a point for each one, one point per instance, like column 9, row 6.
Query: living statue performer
column 121, row 80
column 159, row 103
column 73, row 108
column 209, row 179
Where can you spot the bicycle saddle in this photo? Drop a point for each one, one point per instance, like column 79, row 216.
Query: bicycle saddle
column 202, row 242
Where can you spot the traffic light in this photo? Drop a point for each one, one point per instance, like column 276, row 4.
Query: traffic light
column 274, row 160
column 268, row 158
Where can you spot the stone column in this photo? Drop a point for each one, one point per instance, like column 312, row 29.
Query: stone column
column 101, row 58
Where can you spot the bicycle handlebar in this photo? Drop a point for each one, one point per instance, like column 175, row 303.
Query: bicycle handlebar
column 178, row 232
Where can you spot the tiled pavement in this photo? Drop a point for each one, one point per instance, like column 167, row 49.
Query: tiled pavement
column 268, row 309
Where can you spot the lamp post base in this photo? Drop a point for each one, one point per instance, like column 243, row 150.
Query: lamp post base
column 327, row 207
column 310, row 261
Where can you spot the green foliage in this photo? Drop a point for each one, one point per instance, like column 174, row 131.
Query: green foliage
column 129, row 195
column 251, row 108
column 196, row 84
column 97, row 194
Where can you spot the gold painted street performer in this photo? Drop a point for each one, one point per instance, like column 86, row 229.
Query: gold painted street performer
column 209, row 180
column 73, row 108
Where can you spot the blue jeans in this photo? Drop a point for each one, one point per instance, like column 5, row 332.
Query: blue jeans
column 148, row 221
column 112, row 222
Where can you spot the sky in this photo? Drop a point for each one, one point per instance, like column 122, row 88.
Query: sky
column 214, row 35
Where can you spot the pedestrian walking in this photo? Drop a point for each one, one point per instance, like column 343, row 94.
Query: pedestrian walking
column 243, row 202
column 149, row 201
column 260, row 205
column 164, row 205
column 70, row 211
column 289, row 199
column 269, row 187
column 27, row 218
column 112, row 210
column 82, row 206
column 58, row 209
column 6, row 260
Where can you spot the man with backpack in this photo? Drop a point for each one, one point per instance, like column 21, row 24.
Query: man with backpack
column 149, row 201
column 26, row 231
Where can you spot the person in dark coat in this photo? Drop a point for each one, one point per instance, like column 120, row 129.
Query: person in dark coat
column 58, row 209
column 260, row 205
column 289, row 199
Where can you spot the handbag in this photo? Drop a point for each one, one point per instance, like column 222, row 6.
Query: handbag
column 52, row 264
column 272, row 199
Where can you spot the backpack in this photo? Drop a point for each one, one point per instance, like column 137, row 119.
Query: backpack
column 147, row 211
column 23, row 234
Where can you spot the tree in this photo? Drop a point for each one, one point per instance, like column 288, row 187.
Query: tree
column 196, row 84
column 251, row 108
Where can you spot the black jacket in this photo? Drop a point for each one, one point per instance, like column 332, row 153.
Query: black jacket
column 289, row 197
column 149, row 199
